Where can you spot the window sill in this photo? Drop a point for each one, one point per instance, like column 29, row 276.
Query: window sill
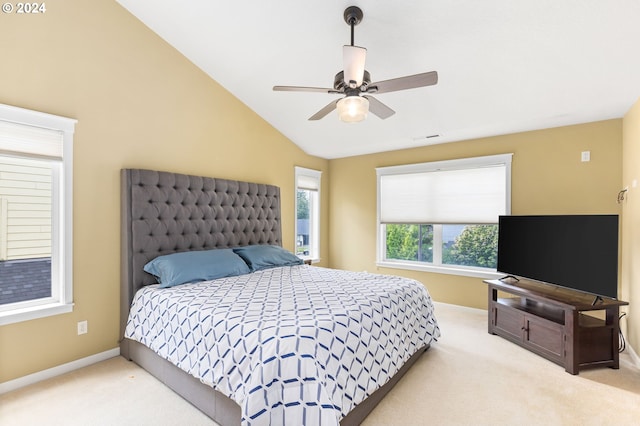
column 308, row 258
column 449, row 270
column 34, row 312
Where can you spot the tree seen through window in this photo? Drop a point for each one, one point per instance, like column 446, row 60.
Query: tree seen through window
column 463, row 245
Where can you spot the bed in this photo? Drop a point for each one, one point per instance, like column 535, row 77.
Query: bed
column 296, row 351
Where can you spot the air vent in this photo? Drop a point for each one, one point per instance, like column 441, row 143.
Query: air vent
column 419, row 138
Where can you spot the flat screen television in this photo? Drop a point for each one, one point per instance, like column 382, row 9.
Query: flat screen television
column 579, row 252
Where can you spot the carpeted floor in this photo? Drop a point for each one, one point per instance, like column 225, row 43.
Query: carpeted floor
column 467, row 378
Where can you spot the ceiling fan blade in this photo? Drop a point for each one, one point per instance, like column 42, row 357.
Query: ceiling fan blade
column 324, row 111
column 378, row 108
column 402, row 83
column 304, row 89
column 353, row 58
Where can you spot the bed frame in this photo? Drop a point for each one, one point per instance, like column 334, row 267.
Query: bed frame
column 163, row 213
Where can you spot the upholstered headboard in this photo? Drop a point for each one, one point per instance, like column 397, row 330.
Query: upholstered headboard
column 163, row 213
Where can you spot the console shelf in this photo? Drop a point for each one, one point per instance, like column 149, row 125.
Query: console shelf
column 564, row 326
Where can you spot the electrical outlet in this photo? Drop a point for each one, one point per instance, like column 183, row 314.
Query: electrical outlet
column 82, row 327
column 585, row 156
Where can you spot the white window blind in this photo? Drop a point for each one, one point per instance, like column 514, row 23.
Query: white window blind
column 18, row 138
column 307, row 179
column 467, row 191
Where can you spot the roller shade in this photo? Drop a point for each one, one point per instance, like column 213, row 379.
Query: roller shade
column 470, row 195
column 22, row 139
column 307, row 179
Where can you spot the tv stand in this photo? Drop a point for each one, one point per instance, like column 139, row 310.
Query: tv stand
column 561, row 325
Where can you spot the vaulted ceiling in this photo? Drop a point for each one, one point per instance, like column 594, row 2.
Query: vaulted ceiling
column 504, row 66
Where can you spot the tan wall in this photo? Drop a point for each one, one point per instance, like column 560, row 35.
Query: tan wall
column 547, row 178
column 138, row 103
column 631, row 224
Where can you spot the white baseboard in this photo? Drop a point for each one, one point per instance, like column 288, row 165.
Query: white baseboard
column 20, row 382
column 635, row 360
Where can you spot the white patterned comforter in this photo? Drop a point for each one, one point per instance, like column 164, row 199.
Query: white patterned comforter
column 291, row 345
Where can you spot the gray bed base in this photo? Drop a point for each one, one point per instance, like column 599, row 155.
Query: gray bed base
column 223, row 409
column 163, row 213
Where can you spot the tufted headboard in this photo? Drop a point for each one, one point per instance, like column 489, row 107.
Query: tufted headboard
column 163, row 213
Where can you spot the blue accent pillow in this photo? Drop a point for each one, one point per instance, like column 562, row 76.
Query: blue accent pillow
column 264, row 257
column 193, row 266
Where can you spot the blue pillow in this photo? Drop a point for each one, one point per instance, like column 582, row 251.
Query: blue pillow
column 263, row 257
column 193, row 266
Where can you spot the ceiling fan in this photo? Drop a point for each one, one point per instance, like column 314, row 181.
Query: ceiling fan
column 355, row 82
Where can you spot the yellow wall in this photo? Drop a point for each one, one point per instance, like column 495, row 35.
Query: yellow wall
column 547, row 178
column 138, row 103
column 631, row 223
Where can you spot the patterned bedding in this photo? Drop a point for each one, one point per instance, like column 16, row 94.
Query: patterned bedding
column 291, row 345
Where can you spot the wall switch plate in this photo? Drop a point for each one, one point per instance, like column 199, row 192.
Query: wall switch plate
column 585, row 156
column 82, row 327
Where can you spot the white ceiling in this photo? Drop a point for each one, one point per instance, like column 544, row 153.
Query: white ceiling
column 504, row 66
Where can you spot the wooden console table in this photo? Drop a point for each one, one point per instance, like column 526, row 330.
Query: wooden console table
column 564, row 326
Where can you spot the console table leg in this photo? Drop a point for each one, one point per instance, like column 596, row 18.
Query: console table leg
column 572, row 351
column 613, row 318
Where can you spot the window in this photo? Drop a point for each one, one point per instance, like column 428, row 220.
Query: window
column 308, row 213
column 443, row 216
column 35, row 214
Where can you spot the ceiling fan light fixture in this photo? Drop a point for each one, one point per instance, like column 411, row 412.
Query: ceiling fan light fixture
column 354, row 81
column 352, row 109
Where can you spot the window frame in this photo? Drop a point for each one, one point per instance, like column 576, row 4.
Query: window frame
column 314, row 211
column 61, row 300
column 456, row 164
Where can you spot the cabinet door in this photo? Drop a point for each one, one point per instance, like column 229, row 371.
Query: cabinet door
column 508, row 322
column 544, row 337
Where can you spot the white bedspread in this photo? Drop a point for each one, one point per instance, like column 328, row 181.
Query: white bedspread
column 296, row 345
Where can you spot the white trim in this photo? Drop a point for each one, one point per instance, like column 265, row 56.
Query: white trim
column 309, row 179
column 66, row 221
column 456, row 164
column 460, row 308
column 30, row 312
column 36, row 118
column 20, row 382
column 441, row 269
column 634, row 359
column 62, row 220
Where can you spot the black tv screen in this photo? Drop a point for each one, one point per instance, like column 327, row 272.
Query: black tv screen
column 579, row 252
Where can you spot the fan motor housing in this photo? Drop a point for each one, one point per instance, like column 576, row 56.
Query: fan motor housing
column 340, row 85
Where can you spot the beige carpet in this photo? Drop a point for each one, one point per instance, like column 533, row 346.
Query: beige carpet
column 467, row 378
